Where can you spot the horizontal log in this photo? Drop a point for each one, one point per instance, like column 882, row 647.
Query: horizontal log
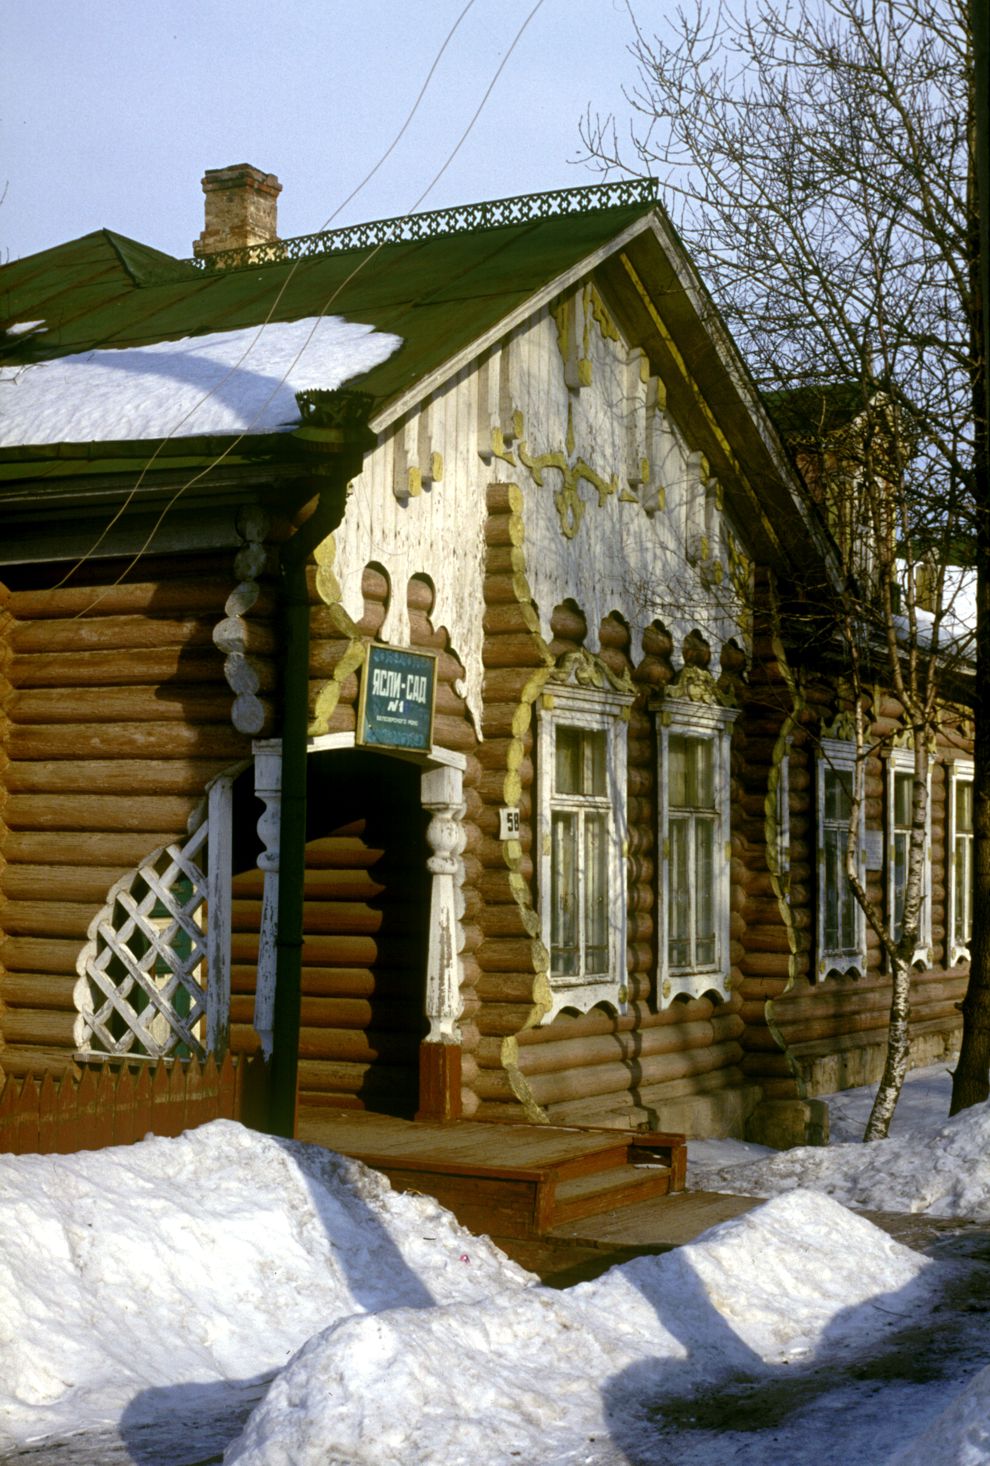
column 502, row 921
column 548, row 1089
column 167, row 703
column 761, row 963
column 504, row 1019
column 332, row 917
column 355, row 1014
column 114, row 776
column 510, row 616
column 38, row 955
column 629, row 1048
column 509, row 956
column 47, row 918
column 39, row 1026
column 505, row 587
column 160, row 819
column 126, row 740
column 42, row 847
column 505, row 684
column 523, row 650
column 37, row 990
column 638, row 1015
column 492, row 785
column 203, row 593
column 323, row 1077
column 337, row 1045
column 504, row 529
column 20, row 1061
column 70, row 882
column 321, row 884
column 117, row 632
column 150, row 666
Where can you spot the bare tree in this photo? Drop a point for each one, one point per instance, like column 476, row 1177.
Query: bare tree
column 816, row 158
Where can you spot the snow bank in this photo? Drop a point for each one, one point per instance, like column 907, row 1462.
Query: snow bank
column 945, row 1173
column 961, row 1434
column 555, row 1377
column 211, row 1257
column 226, row 382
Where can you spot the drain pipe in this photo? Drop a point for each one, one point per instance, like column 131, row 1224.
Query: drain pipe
column 334, row 425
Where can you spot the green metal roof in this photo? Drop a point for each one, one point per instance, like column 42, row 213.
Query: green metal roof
column 439, row 292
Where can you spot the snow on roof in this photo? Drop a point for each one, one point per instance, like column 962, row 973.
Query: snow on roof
column 227, row 382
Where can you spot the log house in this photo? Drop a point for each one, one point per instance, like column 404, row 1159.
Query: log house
column 595, row 896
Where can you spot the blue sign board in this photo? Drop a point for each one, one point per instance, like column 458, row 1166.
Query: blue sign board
column 398, row 691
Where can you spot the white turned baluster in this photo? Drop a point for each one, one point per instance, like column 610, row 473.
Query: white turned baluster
column 268, row 788
column 442, row 791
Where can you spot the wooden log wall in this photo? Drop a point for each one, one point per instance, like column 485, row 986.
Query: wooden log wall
column 115, row 715
column 363, row 958
column 805, row 1035
column 367, row 884
column 597, row 1067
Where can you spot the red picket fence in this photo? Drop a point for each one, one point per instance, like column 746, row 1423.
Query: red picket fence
column 118, row 1106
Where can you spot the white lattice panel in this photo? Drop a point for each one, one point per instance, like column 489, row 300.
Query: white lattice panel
column 142, row 989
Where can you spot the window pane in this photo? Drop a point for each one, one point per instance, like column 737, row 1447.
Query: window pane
column 567, row 744
column 677, row 774
column 903, row 786
column 595, row 893
column 900, row 862
column 834, row 881
column 704, row 892
column 679, row 924
column 838, row 794
column 594, row 761
column 704, row 755
column 564, row 954
column 964, row 806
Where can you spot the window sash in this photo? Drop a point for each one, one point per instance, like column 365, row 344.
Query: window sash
column 961, row 861
column 580, row 842
column 694, row 745
column 841, row 924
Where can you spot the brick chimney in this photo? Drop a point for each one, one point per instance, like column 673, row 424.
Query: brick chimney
column 240, row 208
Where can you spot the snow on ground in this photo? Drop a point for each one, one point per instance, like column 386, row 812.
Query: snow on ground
column 226, row 382
column 210, row 1257
column 163, row 1301
column 543, row 1376
column 929, row 1164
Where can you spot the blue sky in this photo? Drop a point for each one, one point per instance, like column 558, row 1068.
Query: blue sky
column 110, row 110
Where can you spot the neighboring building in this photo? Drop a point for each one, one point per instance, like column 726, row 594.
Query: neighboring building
column 603, row 889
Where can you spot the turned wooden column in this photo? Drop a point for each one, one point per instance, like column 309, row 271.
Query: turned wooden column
column 440, row 1051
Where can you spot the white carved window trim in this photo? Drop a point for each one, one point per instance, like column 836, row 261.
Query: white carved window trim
column 960, row 772
column 713, row 724
column 594, row 710
column 838, row 756
column 900, row 761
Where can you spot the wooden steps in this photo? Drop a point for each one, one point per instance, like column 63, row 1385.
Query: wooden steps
column 512, row 1181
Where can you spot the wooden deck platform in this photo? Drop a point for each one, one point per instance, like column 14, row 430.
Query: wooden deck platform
column 519, row 1182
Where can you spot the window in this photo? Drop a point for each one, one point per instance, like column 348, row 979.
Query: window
column 960, row 911
column 900, row 796
column 841, row 924
column 694, row 845
column 582, row 835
